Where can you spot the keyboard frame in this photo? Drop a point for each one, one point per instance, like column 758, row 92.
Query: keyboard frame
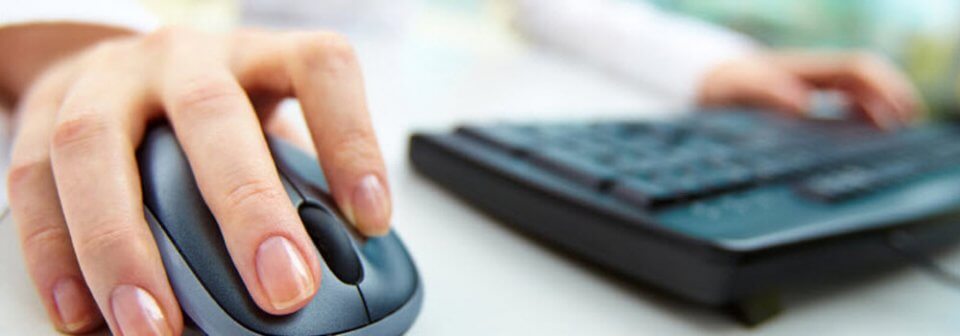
column 628, row 242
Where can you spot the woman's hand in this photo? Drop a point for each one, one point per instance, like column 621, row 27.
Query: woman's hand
column 784, row 81
column 75, row 192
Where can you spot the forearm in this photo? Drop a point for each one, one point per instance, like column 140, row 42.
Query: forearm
column 28, row 49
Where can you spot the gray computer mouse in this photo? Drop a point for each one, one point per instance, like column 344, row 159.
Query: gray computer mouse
column 369, row 286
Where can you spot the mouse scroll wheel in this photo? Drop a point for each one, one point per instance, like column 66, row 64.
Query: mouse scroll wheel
column 333, row 241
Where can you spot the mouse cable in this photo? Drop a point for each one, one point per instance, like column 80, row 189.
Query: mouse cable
column 901, row 243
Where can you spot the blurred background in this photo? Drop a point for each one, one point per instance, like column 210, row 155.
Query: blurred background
column 438, row 63
column 922, row 37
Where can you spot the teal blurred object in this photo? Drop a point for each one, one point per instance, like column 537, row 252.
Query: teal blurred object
column 921, row 36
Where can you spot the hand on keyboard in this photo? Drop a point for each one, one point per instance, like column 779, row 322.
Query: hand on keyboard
column 784, row 81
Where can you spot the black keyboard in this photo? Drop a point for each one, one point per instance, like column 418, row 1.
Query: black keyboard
column 722, row 207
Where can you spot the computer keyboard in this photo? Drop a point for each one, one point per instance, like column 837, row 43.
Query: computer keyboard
column 721, row 207
column 650, row 164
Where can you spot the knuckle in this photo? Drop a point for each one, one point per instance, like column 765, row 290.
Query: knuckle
column 251, row 192
column 46, row 92
column 355, row 146
column 108, row 48
column 203, row 94
column 110, row 54
column 44, row 237
column 79, row 131
column 325, row 51
column 22, row 173
column 355, row 140
column 98, row 53
column 108, row 237
column 166, row 36
column 862, row 63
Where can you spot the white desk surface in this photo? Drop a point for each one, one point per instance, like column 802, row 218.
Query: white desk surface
column 481, row 277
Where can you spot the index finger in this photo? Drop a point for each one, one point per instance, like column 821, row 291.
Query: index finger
column 224, row 144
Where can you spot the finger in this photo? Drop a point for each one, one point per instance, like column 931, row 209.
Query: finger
column 35, row 208
column 280, row 122
column 779, row 93
column 224, row 142
column 879, row 79
column 878, row 112
column 327, row 80
column 867, row 79
column 286, row 128
column 322, row 72
column 92, row 152
column 754, row 82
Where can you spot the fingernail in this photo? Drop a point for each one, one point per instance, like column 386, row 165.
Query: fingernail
column 74, row 305
column 347, row 210
column 283, row 273
column 137, row 312
column 370, row 206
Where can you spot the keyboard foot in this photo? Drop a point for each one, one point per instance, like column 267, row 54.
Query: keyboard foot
column 756, row 309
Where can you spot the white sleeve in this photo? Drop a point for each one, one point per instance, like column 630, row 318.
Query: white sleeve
column 128, row 14
column 667, row 53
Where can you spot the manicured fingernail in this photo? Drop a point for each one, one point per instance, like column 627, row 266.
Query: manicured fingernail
column 283, row 273
column 370, row 208
column 74, row 305
column 137, row 312
column 347, row 210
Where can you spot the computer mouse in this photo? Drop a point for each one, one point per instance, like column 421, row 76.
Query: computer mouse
column 368, row 287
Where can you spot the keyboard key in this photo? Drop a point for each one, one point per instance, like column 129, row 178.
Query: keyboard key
column 643, row 193
column 576, row 167
column 848, row 182
column 652, row 163
column 506, row 138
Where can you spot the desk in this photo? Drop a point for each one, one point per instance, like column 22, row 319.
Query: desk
column 483, row 278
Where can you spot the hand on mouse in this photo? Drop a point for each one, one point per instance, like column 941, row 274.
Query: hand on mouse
column 783, row 81
column 75, row 191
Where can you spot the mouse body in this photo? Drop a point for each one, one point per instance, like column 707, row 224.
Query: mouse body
column 368, row 287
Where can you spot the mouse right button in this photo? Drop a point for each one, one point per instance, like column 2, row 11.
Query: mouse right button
column 390, row 277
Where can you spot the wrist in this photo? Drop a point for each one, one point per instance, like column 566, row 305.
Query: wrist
column 24, row 56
